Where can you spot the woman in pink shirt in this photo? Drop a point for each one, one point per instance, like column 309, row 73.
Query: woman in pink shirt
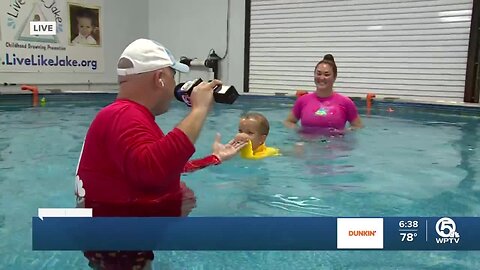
column 324, row 109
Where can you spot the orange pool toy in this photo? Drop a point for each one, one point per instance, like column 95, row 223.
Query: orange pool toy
column 34, row 91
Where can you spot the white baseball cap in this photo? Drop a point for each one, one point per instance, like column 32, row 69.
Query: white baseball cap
column 148, row 55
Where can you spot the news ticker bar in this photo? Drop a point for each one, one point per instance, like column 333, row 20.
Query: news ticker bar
column 256, row 233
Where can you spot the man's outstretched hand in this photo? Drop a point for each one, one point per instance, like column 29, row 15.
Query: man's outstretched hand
column 229, row 150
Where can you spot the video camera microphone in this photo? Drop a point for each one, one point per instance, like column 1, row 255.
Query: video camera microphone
column 221, row 93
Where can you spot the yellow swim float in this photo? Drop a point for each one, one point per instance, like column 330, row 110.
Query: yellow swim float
column 261, row 152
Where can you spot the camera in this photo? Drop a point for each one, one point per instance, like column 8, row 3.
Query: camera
column 226, row 94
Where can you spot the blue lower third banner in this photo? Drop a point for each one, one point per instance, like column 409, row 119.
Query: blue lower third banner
column 256, row 233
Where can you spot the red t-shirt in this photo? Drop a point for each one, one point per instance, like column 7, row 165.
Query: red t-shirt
column 128, row 167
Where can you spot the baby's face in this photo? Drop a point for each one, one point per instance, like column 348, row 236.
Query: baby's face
column 251, row 129
column 85, row 26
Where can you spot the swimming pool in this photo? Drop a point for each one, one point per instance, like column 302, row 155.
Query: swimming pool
column 414, row 161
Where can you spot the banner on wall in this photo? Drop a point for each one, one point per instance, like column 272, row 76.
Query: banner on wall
column 77, row 45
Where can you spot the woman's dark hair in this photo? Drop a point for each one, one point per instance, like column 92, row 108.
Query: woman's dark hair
column 328, row 59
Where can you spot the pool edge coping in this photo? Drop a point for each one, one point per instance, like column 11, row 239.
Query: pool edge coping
column 378, row 100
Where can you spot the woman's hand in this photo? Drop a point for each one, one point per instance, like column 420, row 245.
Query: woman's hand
column 356, row 124
column 299, row 149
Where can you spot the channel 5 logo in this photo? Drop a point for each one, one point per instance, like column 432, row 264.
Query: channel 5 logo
column 447, row 230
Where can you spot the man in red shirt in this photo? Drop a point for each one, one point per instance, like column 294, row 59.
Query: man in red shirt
column 128, row 167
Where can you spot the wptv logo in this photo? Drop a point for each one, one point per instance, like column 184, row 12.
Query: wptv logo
column 43, row 28
column 447, row 230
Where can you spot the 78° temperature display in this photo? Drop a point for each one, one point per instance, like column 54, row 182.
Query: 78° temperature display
column 408, row 230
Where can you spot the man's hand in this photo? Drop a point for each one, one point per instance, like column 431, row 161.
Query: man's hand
column 229, row 150
column 201, row 99
column 202, row 95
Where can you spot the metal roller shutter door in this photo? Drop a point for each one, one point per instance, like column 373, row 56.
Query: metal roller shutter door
column 409, row 49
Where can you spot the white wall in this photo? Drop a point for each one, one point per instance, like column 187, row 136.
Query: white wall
column 191, row 28
column 124, row 21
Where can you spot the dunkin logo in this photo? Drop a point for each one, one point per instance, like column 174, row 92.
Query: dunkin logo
column 360, row 233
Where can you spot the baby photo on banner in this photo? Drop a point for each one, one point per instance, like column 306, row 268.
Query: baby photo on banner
column 84, row 26
column 75, row 46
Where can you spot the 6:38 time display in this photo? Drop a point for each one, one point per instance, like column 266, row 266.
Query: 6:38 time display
column 408, row 224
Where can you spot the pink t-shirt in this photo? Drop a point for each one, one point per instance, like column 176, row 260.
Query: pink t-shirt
column 330, row 113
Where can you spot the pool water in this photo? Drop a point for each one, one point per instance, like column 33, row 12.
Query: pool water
column 409, row 162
